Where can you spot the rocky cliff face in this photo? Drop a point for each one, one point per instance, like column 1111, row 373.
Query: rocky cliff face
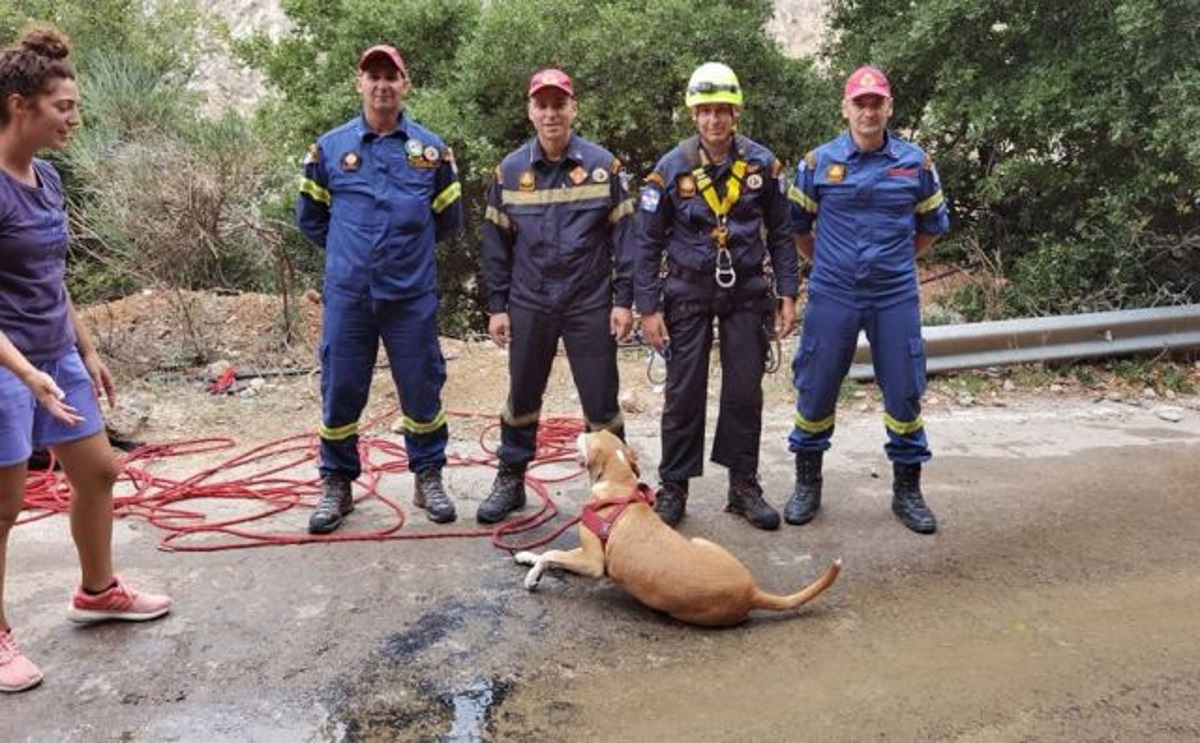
column 797, row 25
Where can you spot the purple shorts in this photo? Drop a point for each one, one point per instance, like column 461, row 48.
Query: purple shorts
column 24, row 425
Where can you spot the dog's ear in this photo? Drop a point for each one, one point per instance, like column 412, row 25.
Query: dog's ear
column 597, row 459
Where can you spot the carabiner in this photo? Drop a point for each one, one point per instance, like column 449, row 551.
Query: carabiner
column 724, row 273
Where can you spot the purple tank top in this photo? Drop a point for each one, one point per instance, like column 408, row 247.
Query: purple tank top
column 33, row 265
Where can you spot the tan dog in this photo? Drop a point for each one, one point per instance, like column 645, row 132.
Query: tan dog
column 693, row 580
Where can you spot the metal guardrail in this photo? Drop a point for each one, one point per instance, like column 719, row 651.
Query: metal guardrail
column 984, row 344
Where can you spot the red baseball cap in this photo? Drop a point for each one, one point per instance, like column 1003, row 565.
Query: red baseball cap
column 383, row 50
column 867, row 81
column 550, row 78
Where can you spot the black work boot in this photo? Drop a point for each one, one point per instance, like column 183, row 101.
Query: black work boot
column 508, row 495
column 746, row 499
column 670, row 502
column 806, row 497
column 431, row 495
column 907, row 501
column 336, row 501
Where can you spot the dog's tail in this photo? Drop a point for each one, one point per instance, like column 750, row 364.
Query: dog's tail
column 764, row 600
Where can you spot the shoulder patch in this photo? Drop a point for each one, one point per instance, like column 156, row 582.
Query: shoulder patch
column 656, row 179
column 650, row 200
column 928, row 164
column 776, row 168
column 811, row 159
column 313, row 154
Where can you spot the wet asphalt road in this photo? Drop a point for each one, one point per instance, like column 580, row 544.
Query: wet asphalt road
column 1058, row 603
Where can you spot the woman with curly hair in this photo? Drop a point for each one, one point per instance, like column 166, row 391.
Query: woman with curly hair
column 51, row 376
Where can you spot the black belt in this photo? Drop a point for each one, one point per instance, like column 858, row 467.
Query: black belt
column 705, row 276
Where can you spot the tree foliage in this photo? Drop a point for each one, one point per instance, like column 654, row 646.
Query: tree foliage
column 1065, row 134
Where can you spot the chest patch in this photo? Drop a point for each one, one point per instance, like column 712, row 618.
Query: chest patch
column 835, row 173
column 687, row 186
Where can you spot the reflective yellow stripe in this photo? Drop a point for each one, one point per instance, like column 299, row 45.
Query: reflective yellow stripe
column 497, row 217
column 556, row 195
column 337, row 433
column 622, row 210
column 903, row 428
column 808, row 426
column 798, row 196
column 314, row 191
column 447, row 197
column 933, row 202
column 508, row 417
column 613, row 425
column 418, row 429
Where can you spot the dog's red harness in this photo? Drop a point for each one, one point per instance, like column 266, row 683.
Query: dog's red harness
column 602, row 526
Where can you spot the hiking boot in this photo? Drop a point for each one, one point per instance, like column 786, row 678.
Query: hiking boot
column 508, row 495
column 17, row 673
column 119, row 602
column 907, row 501
column 806, row 496
column 670, row 502
column 746, row 499
column 336, row 501
column 431, row 495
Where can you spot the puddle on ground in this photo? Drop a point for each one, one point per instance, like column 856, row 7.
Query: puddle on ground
column 472, row 708
column 423, row 683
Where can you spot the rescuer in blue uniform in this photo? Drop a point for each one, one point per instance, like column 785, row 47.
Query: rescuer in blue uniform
column 378, row 192
column 558, row 264
column 716, row 206
column 877, row 204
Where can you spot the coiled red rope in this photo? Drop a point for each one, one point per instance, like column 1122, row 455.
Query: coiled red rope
column 261, row 484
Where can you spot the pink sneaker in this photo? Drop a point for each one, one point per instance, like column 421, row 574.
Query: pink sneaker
column 119, row 602
column 17, row 673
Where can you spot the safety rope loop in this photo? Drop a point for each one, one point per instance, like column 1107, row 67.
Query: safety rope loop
column 216, row 507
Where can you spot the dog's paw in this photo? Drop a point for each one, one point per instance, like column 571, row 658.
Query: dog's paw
column 525, row 558
column 534, row 575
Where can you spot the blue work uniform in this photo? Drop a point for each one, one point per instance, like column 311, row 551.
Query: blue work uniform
column 677, row 219
column 868, row 208
column 377, row 205
column 556, row 257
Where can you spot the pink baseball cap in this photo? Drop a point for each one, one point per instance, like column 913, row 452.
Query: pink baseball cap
column 385, row 51
column 867, row 81
column 550, row 78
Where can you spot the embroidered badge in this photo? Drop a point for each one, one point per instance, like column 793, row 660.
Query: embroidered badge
column 600, row 175
column 835, row 172
column 754, row 181
column 577, row 175
column 686, row 186
column 650, row 199
column 525, row 183
column 351, row 161
column 902, row 172
column 432, row 154
column 413, row 147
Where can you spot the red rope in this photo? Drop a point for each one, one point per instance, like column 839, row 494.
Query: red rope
column 259, row 479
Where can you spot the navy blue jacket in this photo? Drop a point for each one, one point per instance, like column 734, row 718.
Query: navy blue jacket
column 557, row 235
column 674, row 217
